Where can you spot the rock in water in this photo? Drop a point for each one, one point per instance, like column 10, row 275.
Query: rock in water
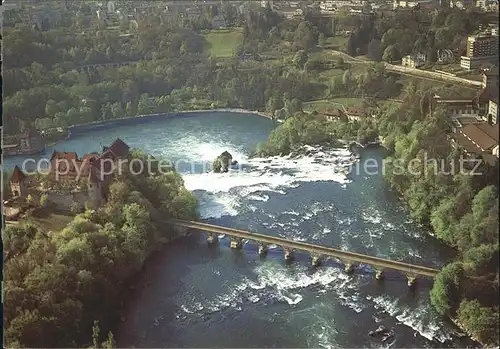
column 222, row 162
column 380, row 330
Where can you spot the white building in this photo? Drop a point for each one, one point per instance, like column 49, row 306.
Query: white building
column 111, row 7
column 413, row 61
column 327, row 6
column 265, row 3
column 404, row 4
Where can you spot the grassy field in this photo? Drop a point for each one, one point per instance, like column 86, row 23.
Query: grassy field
column 49, row 222
column 223, row 42
column 332, row 103
column 52, row 221
column 348, row 101
column 317, row 105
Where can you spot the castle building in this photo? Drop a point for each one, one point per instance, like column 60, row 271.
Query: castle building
column 94, row 168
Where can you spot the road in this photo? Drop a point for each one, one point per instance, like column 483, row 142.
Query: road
column 418, row 73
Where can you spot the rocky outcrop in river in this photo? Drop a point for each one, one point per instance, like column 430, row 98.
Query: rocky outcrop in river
column 222, row 162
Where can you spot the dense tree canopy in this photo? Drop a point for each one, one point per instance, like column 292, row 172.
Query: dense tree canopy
column 58, row 283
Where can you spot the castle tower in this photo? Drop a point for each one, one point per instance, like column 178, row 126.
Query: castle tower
column 95, row 187
column 18, row 185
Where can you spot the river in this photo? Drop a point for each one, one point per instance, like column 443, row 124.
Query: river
column 192, row 295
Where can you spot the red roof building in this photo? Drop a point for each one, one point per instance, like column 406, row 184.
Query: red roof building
column 355, row 113
column 17, row 176
column 18, row 183
column 479, row 138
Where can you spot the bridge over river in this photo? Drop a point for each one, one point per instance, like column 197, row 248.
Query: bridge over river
column 317, row 252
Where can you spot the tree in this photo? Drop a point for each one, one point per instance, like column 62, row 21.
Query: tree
column 339, row 63
column 482, row 258
column 43, row 123
column 351, row 45
column 347, row 79
column 335, row 85
column 481, row 321
column 95, row 335
column 391, row 54
column 273, row 104
column 229, row 13
column 292, row 106
column 300, row 59
column 312, row 64
column 110, row 342
column 446, row 289
column 51, row 108
column 444, row 37
column 75, row 207
column 117, row 110
column 44, row 200
column 322, row 39
column 305, row 37
column 374, row 51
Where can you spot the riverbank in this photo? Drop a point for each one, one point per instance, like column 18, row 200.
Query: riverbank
column 468, row 332
column 140, row 223
column 132, row 120
column 378, row 142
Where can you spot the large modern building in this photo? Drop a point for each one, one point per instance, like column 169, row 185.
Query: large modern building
column 481, row 49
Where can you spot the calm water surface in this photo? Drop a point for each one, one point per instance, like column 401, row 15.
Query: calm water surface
column 191, row 295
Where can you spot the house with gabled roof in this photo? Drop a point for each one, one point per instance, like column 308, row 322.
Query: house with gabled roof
column 93, row 167
column 478, row 138
column 18, row 183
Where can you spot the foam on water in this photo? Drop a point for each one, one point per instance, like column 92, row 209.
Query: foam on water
column 372, row 215
column 419, row 319
column 226, row 194
column 276, row 282
column 190, row 148
column 259, row 175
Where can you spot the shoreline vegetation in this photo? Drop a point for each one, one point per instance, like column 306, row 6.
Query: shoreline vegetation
column 462, row 213
column 70, row 284
column 262, row 62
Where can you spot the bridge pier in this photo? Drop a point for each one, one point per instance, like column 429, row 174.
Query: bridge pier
column 316, row 261
column 411, row 280
column 348, row 268
column 236, row 243
column 263, row 250
column 212, row 238
column 379, row 274
column 288, row 254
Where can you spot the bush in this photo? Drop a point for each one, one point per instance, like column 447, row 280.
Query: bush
column 446, row 289
column 481, row 321
column 44, row 200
